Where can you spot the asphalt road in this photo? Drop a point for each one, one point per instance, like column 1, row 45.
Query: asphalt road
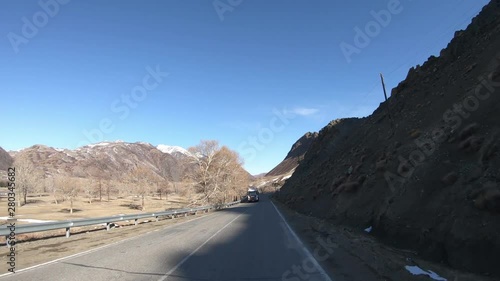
column 249, row 241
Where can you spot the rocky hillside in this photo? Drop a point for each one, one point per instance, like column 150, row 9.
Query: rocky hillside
column 111, row 160
column 5, row 159
column 5, row 162
column 423, row 170
column 296, row 154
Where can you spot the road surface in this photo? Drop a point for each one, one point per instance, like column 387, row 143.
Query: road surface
column 249, row 241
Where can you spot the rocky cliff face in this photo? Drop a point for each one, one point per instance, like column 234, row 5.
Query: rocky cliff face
column 296, row 154
column 424, row 169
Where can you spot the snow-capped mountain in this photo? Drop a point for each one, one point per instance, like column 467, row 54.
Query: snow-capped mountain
column 175, row 151
column 112, row 160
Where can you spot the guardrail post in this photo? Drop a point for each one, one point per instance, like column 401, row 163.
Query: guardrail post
column 135, row 222
column 67, row 232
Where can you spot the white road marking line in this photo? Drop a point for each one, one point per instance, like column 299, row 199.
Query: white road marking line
column 90, row 251
column 196, row 250
column 306, row 251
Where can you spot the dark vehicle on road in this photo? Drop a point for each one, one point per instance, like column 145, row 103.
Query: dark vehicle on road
column 253, row 196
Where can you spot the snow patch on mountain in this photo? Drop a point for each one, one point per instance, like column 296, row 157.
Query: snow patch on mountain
column 173, row 150
column 104, row 143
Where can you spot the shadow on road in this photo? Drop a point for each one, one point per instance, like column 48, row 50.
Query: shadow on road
column 251, row 246
column 248, row 241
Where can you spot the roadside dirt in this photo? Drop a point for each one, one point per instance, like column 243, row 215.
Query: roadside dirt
column 39, row 251
column 354, row 255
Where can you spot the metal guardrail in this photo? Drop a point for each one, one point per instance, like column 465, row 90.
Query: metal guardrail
column 68, row 224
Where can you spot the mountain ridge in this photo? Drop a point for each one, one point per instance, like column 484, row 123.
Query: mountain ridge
column 113, row 159
column 296, row 154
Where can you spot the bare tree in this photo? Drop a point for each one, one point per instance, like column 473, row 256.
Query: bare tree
column 89, row 189
column 231, row 177
column 70, row 188
column 108, row 191
column 219, row 175
column 143, row 181
column 51, row 187
column 203, row 176
column 28, row 178
column 163, row 188
column 86, row 184
column 95, row 186
column 99, row 177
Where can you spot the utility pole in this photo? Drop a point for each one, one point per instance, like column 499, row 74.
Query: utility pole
column 383, row 86
column 388, row 105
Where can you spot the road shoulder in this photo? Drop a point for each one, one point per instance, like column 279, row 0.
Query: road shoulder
column 347, row 254
column 36, row 252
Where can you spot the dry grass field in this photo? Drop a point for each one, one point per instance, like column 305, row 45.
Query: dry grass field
column 43, row 207
column 41, row 247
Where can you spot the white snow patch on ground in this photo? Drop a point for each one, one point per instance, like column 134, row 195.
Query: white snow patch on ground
column 27, row 220
column 415, row 270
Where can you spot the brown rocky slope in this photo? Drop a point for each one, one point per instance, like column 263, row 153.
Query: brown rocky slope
column 5, row 162
column 5, row 159
column 424, row 169
column 296, row 154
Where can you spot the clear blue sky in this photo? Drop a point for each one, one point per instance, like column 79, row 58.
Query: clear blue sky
column 227, row 70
